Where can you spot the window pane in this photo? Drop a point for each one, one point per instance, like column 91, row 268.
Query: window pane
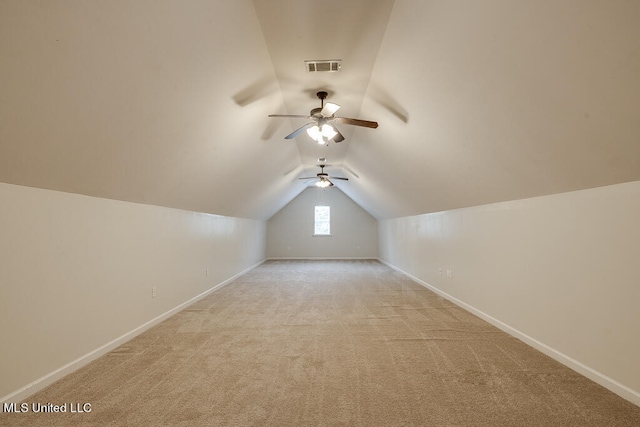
column 322, row 228
column 322, row 213
column 322, row 220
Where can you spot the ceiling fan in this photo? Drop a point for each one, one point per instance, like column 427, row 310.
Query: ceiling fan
column 322, row 129
column 324, row 180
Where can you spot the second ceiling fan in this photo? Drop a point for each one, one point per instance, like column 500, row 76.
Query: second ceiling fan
column 324, row 180
column 321, row 129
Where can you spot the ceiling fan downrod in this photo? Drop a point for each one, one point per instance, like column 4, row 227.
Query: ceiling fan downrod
column 322, row 95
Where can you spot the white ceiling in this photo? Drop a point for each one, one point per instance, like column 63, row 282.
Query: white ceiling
column 165, row 102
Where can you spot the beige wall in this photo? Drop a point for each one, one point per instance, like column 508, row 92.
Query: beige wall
column 77, row 274
column 561, row 272
column 354, row 232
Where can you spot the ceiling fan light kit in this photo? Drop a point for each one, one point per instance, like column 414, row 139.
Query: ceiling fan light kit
column 324, row 183
column 322, row 135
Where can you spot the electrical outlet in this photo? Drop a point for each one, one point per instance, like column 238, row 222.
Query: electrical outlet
column 450, row 273
column 154, row 292
column 206, row 272
column 440, row 271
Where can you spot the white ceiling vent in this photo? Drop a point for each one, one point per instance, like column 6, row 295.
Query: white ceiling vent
column 323, row 65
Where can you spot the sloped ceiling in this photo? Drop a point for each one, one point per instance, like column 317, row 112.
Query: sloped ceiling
column 166, row 102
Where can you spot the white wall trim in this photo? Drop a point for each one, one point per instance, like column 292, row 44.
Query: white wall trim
column 319, row 258
column 609, row 383
column 70, row 367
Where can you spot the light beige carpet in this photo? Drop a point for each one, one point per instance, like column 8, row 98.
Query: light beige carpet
column 328, row 343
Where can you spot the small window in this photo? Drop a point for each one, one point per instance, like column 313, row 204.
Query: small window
column 322, row 221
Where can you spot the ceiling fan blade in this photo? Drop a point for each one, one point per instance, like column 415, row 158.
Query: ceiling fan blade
column 339, row 137
column 338, row 177
column 329, row 109
column 309, row 177
column 297, row 131
column 356, row 122
column 290, row 115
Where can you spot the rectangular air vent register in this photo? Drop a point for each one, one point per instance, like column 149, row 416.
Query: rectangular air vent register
column 326, row 65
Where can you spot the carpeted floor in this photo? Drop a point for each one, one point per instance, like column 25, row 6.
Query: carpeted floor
column 327, row 343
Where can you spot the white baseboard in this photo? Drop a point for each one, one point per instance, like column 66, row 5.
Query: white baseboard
column 70, row 367
column 319, row 258
column 620, row 389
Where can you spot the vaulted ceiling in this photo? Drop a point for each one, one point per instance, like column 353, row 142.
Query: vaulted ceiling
column 166, row 102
